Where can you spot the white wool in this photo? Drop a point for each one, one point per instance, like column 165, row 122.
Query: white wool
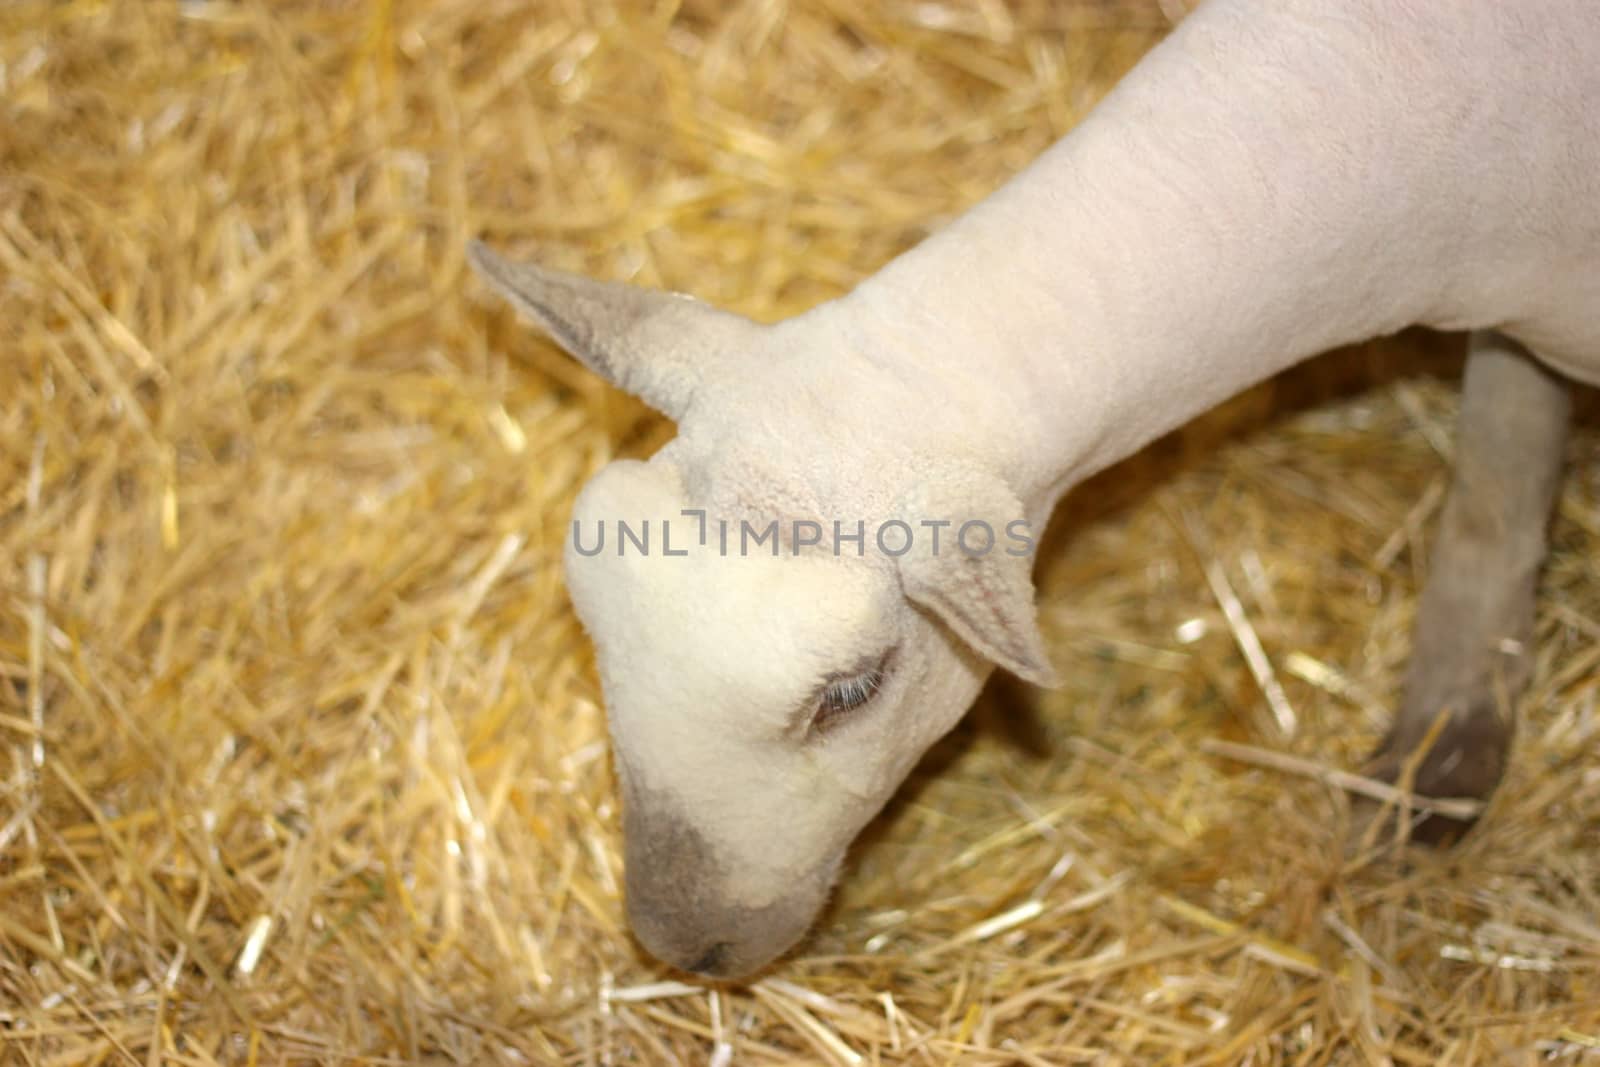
column 1274, row 180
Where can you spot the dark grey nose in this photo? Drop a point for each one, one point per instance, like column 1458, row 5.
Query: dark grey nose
column 680, row 907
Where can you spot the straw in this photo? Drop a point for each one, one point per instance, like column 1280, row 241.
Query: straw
column 302, row 755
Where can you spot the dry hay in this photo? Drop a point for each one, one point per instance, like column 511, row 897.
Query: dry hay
column 322, row 771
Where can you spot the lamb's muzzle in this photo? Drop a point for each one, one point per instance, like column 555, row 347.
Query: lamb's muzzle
column 685, row 905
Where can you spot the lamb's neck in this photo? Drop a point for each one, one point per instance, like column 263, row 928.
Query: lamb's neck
column 1204, row 228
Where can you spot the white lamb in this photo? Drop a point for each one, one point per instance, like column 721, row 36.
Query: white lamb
column 1275, row 179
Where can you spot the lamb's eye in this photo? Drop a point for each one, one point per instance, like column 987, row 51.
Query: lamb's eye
column 844, row 695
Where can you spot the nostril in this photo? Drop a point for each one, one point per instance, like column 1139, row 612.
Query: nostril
column 710, row 962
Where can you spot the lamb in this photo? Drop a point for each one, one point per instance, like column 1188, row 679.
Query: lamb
column 1274, row 180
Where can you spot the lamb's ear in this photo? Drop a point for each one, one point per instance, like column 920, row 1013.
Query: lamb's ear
column 981, row 586
column 657, row 345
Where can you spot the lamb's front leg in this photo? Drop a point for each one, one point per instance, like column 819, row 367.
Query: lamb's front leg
column 1472, row 650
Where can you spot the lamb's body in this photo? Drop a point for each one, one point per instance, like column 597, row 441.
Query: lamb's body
column 1274, row 180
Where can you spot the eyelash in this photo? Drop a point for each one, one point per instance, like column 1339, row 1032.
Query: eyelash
column 844, row 695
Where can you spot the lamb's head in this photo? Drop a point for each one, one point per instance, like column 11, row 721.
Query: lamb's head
column 768, row 682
